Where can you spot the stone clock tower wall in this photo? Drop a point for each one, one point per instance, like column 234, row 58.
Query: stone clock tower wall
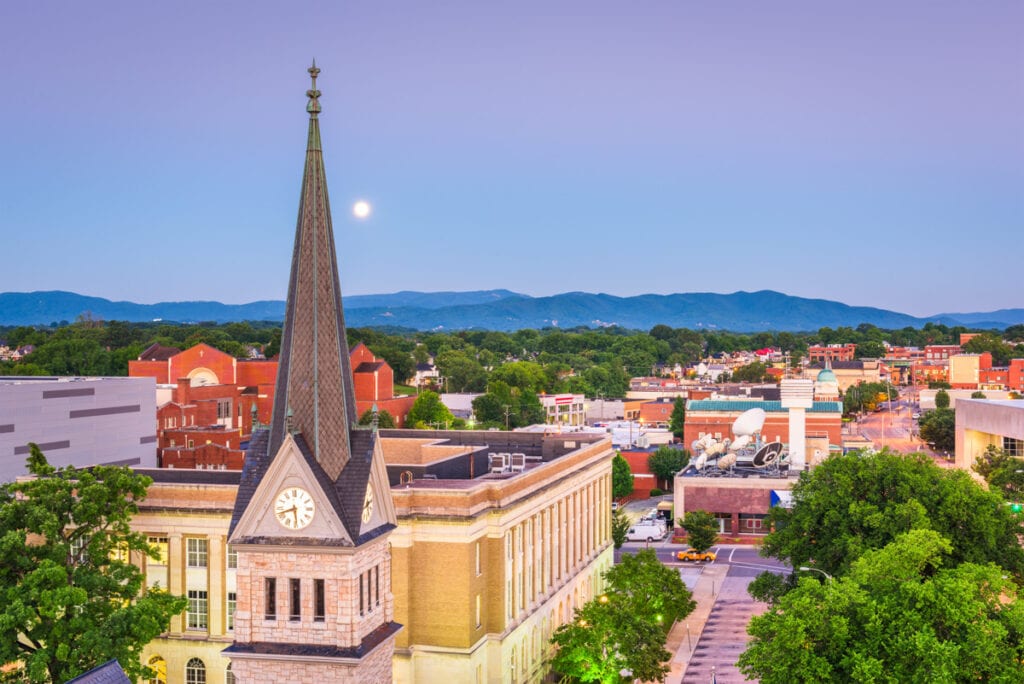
column 344, row 624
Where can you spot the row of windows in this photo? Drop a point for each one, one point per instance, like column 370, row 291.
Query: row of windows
column 294, row 599
column 197, row 552
column 197, row 614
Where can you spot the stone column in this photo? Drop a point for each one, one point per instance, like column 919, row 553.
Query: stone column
column 216, row 569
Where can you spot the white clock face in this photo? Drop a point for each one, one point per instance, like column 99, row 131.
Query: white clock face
column 294, row 508
column 368, row 503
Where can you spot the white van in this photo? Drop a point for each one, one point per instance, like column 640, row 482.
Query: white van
column 645, row 531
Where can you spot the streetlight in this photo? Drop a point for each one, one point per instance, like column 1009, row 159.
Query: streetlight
column 804, row 568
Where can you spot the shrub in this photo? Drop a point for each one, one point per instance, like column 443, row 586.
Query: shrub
column 656, row 492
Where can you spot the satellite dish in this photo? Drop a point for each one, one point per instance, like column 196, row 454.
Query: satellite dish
column 696, row 445
column 767, row 454
column 741, row 441
column 701, row 460
column 715, row 449
column 727, row 461
column 749, row 422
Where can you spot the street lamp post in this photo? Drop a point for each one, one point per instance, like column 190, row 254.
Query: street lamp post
column 805, row 568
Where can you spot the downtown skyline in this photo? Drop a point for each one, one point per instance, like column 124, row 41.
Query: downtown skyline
column 870, row 155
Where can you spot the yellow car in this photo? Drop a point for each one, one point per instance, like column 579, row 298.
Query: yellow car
column 691, row 555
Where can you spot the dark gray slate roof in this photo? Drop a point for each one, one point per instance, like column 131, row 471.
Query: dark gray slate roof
column 109, row 672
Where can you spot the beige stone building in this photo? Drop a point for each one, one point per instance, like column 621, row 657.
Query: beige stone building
column 484, row 565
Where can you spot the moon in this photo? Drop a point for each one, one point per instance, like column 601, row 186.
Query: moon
column 361, row 209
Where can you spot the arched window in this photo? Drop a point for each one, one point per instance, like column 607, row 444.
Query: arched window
column 229, row 676
column 159, row 667
column 195, row 672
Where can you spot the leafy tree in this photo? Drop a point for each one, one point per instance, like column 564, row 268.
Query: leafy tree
column 646, row 587
column 869, row 350
column 525, row 375
column 620, row 528
column 622, row 477
column 701, row 530
column 428, row 411
column 939, row 385
column 503, row 405
column 677, row 420
column 938, row 429
column 69, row 596
column 942, row 399
column 854, row 503
column 665, row 462
column 462, row 373
column 625, row 628
column 384, row 419
column 752, row 372
column 902, row 615
column 1002, row 472
column 602, row 640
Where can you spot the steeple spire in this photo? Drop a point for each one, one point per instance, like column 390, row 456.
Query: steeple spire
column 314, row 394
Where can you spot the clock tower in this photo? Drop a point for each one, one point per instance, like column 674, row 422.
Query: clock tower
column 314, row 511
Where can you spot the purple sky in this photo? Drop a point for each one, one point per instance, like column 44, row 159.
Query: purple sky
column 871, row 152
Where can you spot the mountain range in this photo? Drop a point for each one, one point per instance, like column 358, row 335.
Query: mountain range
column 505, row 310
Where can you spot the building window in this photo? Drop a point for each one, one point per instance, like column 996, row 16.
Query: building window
column 270, row 587
column 376, row 585
column 195, row 672
column 296, row 602
column 224, row 409
column 478, row 611
column 478, row 559
column 159, row 667
column 198, row 610
column 197, row 552
column 232, row 605
column 1013, row 447
column 79, row 549
column 229, row 676
column 752, row 523
column 319, row 604
column 362, row 609
column 232, row 557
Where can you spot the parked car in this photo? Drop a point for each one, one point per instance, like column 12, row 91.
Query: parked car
column 691, row 555
column 615, row 506
column 645, row 531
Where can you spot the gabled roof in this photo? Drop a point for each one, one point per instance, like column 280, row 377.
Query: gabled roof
column 368, row 367
column 158, row 352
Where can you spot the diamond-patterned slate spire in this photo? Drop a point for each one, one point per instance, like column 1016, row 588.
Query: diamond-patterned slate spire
column 314, row 394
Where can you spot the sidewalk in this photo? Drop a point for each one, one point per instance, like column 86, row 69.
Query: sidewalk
column 684, row 636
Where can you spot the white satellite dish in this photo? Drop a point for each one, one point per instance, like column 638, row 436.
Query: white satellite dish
column 741, row 441
column 749, row 422
column 701, row 460
column 727, row 461
column 715, row 449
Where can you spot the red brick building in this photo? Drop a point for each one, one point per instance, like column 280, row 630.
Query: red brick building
column 823, row 419
column 831, row 352
column 207, row 421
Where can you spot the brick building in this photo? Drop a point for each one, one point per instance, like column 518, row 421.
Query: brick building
column 831, row 352
column 715, row 417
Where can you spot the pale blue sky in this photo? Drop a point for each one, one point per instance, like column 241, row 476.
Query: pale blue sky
column 871, row 153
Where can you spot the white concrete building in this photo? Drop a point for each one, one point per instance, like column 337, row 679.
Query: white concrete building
column 981, row 422
column 77, row 421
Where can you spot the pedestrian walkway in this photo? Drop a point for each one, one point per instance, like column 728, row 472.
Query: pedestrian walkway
column 714, row 634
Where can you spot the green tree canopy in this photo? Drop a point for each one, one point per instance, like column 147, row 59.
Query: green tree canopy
column 384, row 419
column 942, row 399
column 503, row 403
column 677, row 420
column 901, row 615
column 624, row 628
column 665, row 462
column 428, row 411
column 853, row 503
column 70, row 599
column 752, row 372
column 620, row 528
column 938, row 429
column 701, row 530
column 1003, row 473
column 622, row 477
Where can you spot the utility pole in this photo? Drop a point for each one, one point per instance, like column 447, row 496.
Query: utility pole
column 508, row 412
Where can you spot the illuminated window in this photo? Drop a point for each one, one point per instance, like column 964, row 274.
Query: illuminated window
column 159, row 667
column 232, row 557
column 232, row 605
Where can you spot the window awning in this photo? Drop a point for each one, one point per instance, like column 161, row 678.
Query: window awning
column 782, row 497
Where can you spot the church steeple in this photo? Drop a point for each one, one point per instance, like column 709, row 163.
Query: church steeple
column 314, row 379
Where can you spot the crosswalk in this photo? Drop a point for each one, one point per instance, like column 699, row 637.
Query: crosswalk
column 724, row 636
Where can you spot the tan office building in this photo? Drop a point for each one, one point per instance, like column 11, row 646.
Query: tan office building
column 485, row 565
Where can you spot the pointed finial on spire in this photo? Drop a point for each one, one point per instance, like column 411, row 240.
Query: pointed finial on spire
column 313, row 106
